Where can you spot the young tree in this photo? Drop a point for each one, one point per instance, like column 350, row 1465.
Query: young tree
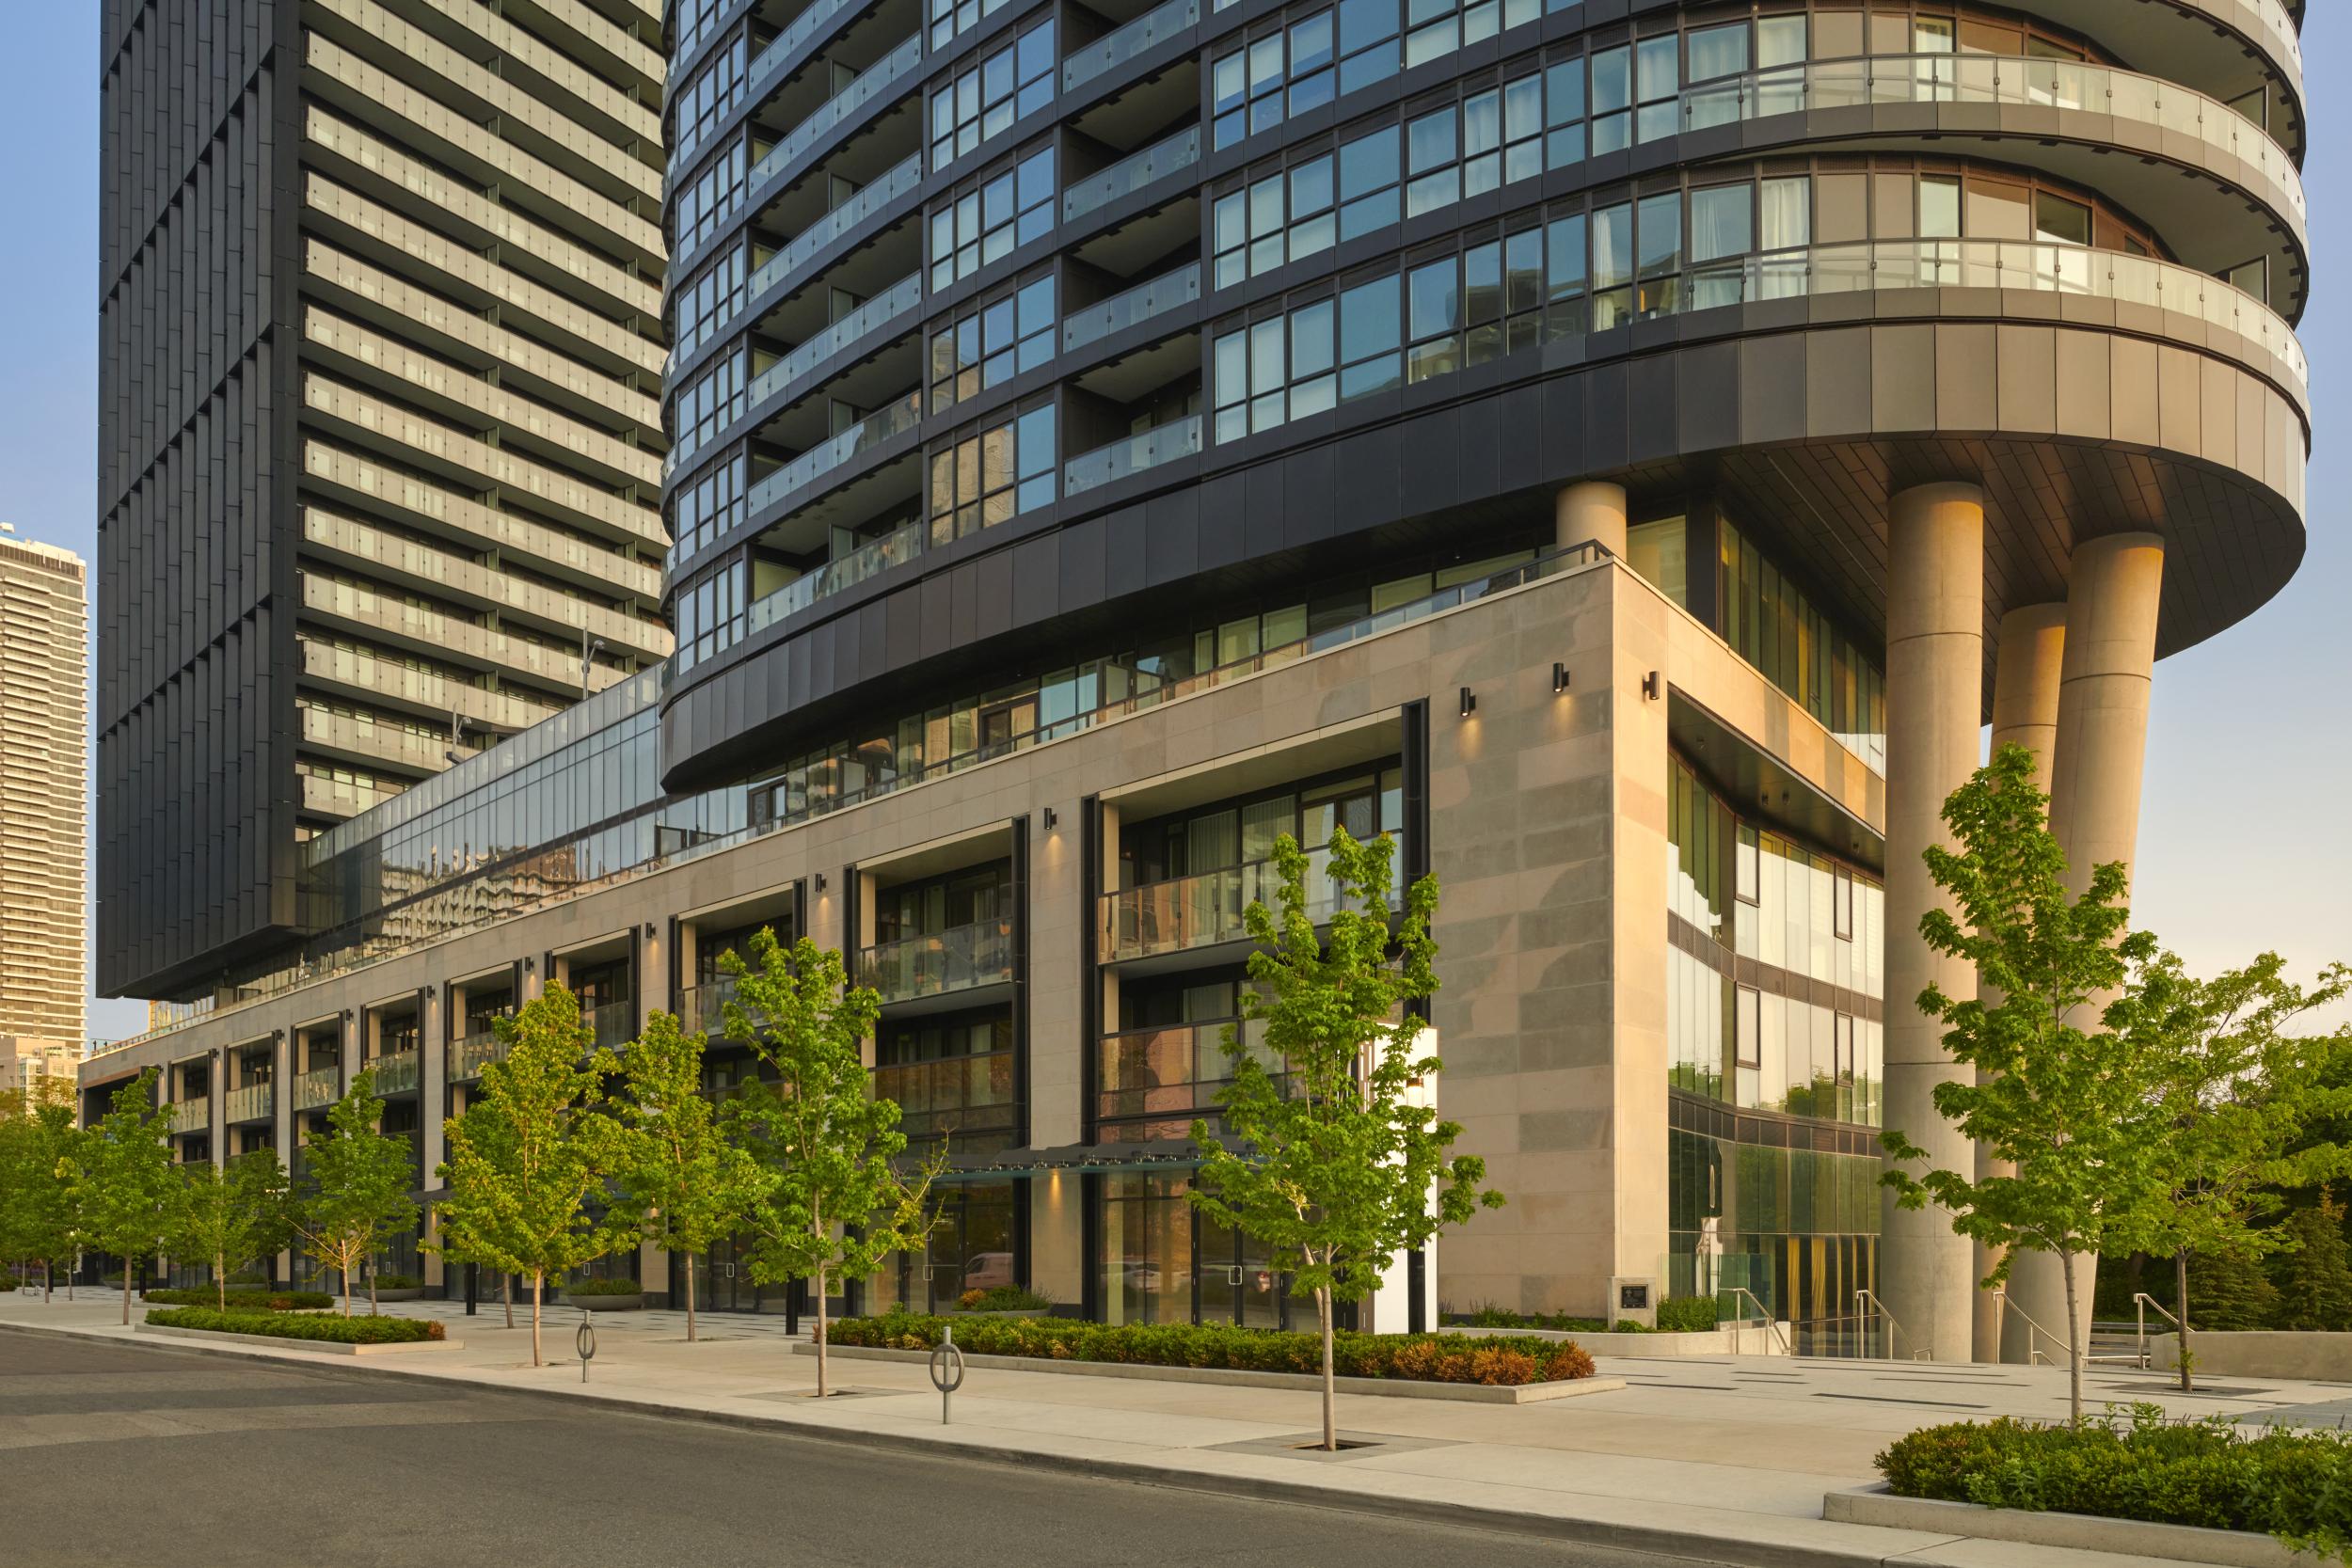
column 2314, row 1271
column 360, row 1182
column 230, row 1214
column 2064, row 1106
column 2229, row 1293
column 520, row 1178
column 2237, row 1096
column 828, row 1198
column 39, row 1148
column 1337, row 1164
column 461, row 1219
column 124, row 1189
column 683, row 1185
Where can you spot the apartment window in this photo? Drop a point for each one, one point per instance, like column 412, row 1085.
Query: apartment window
column 1278, row 217
column 1748, row 1026
column 1284, row 72
column 1277, row 370
column 991, row 476
column 1749, row 876
column 716, row 89
column 989, row 221
column 711, row 403
column 713, row 196
column 1371, row 174
column 988, row 98
column 710, row 615
column 953, row 18
column 1842, row 906
column 1503, row 136
column 993, row 343
column 696, row 20
column 1431, row 179
column 1563, row 112
column 706, row 305
column 710, row 507
column 1371, row 333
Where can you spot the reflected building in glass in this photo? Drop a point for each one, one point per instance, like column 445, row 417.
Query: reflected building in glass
column 1624, row 454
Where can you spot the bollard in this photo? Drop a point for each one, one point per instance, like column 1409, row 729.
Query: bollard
column 586, row 1341
column 946, row 1371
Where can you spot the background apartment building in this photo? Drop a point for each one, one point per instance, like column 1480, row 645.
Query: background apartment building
column 44, row 791
column 380, row 441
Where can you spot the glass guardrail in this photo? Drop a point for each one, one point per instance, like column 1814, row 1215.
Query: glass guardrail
column 1169, row 292
column 867, row 561
column 959, row 1091
column 896, row 301
column 1171, row 1071
column 1154, row 26
column 871, row 83
column 704, row 1009
column 254, row 1102
column 870, row 199
column 1205, row 908
column 613, row 1025
column 321, row 1086
column 469, row 1053
column 1146, row 449
column 190, row 1116
column 958, row 959
column 396, row 1073
column 895, row 418
column 1132, row 174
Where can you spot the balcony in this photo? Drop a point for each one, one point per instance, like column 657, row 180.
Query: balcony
column 871, row 84
column 1169, row 292
column 1207, row 910
column 1103, row 53
column 321, row 1086
column 1130, row 174
column 1155, row 1082
column 966, row 1096
column 871, row 198
column 191, row 1115
column 466, row 1055
column 900, row 299
column 892, row 419
column 952, row 962
column 396, row 1073
column 867, row 561
column 1137, row 455
column 613, row 1025
column 704, row 1009
column 254, row 1102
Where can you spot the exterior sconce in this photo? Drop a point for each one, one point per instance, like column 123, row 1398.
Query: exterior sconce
column 649, row 928
column 1649, row 685
column 1470, row 701
column 1559, row 678
column 1052, row 819
column 820, row 882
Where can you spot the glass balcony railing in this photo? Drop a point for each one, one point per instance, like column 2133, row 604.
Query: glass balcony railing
column 867, row 561
column 254, row 1102
column 613, row 1025
column 1202, row 909
column 396, row 1073
column 894, row 419
column 191, row 1115
column 961, row 1096
column 468, row 1054
column 1130, row 174
column 1169, row 292
column 704, row 1009
column 1153, row 26
column 900, row 299
column 871, row 83
column 963, row 958
column 321, row 1086
column 869, row 200
column 1148, row 449
column 2049, row 83
column 1163, row 1078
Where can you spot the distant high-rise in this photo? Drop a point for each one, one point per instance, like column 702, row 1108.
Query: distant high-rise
column 380, row 442
column 44, row 783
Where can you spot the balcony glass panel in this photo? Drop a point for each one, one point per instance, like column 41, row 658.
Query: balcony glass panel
column 1167, row 291
column 894, row 419
column 397, row 1074
column 875, row 80
column 799, row 31
column 1149, row 450
column 703, row 1007
column 1130, row 174
column 191, row 1115
column 1206, row 909
column 321, row 1086
column 613, row 1025
column 1155, row 1081
column 958, row 959
column 904, row 177
column 897, row 300
column 254, row 1102
column 959, row 1095
column 1153, row 26
column 867, row 561
column 469, row 1053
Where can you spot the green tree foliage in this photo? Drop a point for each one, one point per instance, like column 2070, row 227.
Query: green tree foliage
column 2063, row 1105
column 2229, row 1293
column 829, row 1200
column 521, row 1179
column 456, row 1218
column 358, row 1186
column 683, row 1186
column 2313, row 1270
column 1338, row 1157
column 124, row 1192
column 2237, row 1096
column 39, row 1151
column 230, row 1214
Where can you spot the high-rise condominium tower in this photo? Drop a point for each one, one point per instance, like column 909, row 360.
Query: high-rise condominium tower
column 44, row 783
column 380, row 446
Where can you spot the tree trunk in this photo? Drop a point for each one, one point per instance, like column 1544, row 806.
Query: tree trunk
column 822, row 1391
column 689, row 1299
column 126, row 1293
column 374, row 1310
column 220, row 1281
column 1330, row 1413
column 2180, row 1307
column 539, row 1289
column 506, row 1293
column 2073, row 1344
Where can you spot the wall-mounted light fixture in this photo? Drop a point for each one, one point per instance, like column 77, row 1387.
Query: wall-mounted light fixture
column 1649, row 685
column 1470, row 701
column 1559, row 678
column 530, row 964
column 649, row 927
column 820, row 882
column 1052, row 819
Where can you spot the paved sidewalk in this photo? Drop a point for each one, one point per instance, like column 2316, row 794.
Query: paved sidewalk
column 1720, row 1459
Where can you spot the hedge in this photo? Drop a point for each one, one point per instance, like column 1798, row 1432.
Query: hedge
column 2294, row 1484
column 1004, row 1298
column 1408, row 1357
column 246, row 1301
column 1676, row 1315
column 334, row 1327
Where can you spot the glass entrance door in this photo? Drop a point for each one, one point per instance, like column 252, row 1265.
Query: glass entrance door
column 1236, row 1280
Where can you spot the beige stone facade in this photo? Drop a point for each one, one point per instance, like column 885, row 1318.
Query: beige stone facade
column 44, row 791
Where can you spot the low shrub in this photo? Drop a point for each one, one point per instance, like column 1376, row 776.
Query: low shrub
column 334, row 1327
column 398, row 1282
column 1408, row 1357
column 1004, row 1298
column 1676, row 1315
column 248, row 1277
column 1689, row 1315
column 2291, row 1483
column 246, row 1301
column 604, row 1287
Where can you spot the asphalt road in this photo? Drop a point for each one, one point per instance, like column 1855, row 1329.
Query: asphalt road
column 122, row 1454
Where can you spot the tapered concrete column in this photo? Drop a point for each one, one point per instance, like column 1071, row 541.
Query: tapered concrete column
column 1592, row 511
column 2101, row 750
column 1935, row 697
column 2025, row 670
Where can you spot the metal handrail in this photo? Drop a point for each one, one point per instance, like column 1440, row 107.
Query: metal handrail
column 2003, row 1302
column 1771, row 1326
column 2141, row 1301
column 1895, row 1327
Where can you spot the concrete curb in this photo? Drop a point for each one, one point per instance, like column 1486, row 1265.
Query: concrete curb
column 1875, row 1505
column 1466, row 1393
column 1685, row 1544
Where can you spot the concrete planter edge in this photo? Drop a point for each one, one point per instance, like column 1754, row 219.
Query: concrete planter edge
column 1876, row 1505
column 271, row 1341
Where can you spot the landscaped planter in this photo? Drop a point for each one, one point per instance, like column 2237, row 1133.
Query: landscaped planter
column 1472, row 1393
column 1020, row 1312
column 271, row 1341
column 607, row 1303
column 412, row 1292
column 1876, row 1505
column 1729, row 1340
column 2309, row 1357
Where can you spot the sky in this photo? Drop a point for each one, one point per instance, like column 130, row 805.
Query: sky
column 2245, row 836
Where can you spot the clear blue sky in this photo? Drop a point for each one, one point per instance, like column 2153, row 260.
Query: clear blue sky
column 2246, row 835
